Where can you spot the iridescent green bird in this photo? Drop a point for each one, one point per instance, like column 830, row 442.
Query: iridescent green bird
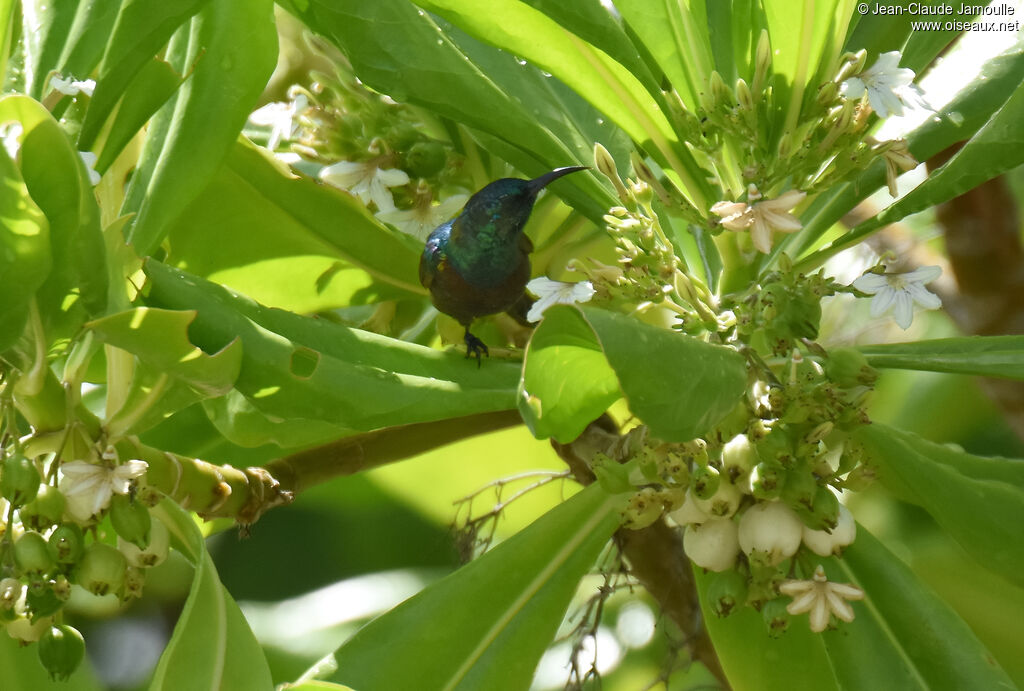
column 478, row 263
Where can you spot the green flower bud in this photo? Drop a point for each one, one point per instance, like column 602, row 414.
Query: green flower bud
column 101, row 569
column 45, row 510
column 775, row 616
column 425, row 159
column 727, row 591
column 131, row 519
column 67, row 543
column 61, row 650
column 766, row 480
column 672, row 467
column 825, row 543
column 19, row 481
column 800, row 487
column 777, row 447
column 159, row 545
column 712, row 544
column 643, row 509
column 705, row 481
column 848, row 367
column 32, row 555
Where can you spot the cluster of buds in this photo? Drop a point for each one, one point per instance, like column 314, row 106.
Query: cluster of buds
column 83, row 524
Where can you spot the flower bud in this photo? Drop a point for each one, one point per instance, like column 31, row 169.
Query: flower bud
column 24, row 630
column 45, row 510
column 42, row 601
column 775, row 616
column 32, row 555
column 643, row 509
column 726, row 592
column 67, row 543
column 688, row 513
column 762, row 62
column 770, row 532
column 826, row 544
column 11, row 590
column 738, row 457
column 101, row 569
column 130, row 519
column 712, row 544
column 61, row 649
column 134, row 580
column 800, row 487
column 848, row 367
column 705, row 481
column 19, row 481
column 766, row 480
column 159, row 544
column 425, row 159
column 724, row 502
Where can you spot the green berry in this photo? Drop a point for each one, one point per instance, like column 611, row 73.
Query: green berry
column 726, row 592
column 704, row 481
column 19, row 481
column 101, row 569
column 45, row 510
column 131, row 520
column 775, row 616
column 32, row 555
column 66, row 543
column 61, row 650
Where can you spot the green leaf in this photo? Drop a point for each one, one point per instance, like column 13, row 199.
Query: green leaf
column 212, row 646
column 519, row 29
column 58, row 183
column 904, row 636
column 316, row 686
column 269, row 233
column 24, row 251
column 145, row 94
column 244, row 424
column 486, row 625
column 677, row 38
column 566, row 382
column 298, row 367
column 45, row 28
column 676, row 384
column 987, row 356
column 753, row 660
column 88, row 36
column 210, row 109
column 141, row 30
column 980, row 513
column 878, row 32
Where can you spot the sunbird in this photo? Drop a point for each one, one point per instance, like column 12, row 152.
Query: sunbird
column 478, row 263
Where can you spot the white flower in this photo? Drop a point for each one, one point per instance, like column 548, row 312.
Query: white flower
column 71, row 87
column 280, row 118
column 821, row 599
column 88, row 487
column 421, row 219
column 89, row 159
column 366, row 181
column 550, row 293
column 889, row 86
column 10, row 133
column 899, row 292
column 762, row 217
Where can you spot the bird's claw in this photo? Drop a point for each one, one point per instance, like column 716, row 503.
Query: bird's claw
column 475, row 348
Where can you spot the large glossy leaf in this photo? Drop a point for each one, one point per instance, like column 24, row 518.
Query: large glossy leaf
column 212, row 646
column 957, row 121
column 904, row 636
column 210, row 109
column 880, row 32
column 140, row 31
column 611, row 88
column 980, row 513
column 25, row 260
column 486, row 625
column 988, row 356
column 402, row 51
column 45, row 28
column 88, row 36
column 754, row 661
column 298, row 367
column 678, row 385
column 57, row 181
column 174, row 372
column 265, row 231
column 566, row 381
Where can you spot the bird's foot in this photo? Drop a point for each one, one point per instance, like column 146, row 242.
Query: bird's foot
column 475, row 347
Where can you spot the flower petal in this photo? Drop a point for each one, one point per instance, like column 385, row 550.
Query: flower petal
column 804, row 602
column 819, row 615
column 871, row 283
column 761, row 234
column 923, row 296
column 883, row 300
column 903, row 313
column 923, row 274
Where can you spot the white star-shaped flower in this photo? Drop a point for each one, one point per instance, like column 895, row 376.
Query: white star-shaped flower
column 280, row 118
column 365, row 180
column 899, row 292
column 821, row 599
column 889, row 86
column 550, row 293
column 89, row 159
column 88, row 487
column 762, row 217
column 421, row 219
column 71, row 86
